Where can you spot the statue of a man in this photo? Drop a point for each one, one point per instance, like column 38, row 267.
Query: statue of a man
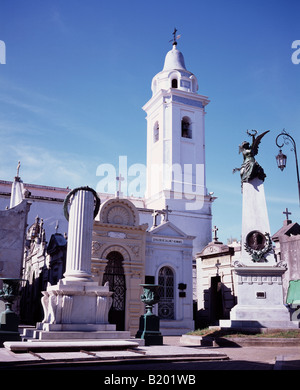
column 250, row 168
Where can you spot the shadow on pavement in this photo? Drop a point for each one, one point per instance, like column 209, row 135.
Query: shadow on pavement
column 154, row 365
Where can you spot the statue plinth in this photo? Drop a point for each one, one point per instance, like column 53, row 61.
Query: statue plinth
column 259, row 299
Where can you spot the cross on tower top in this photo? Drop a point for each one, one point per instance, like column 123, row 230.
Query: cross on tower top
column 175, row 37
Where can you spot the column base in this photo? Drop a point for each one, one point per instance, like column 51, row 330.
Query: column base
column 74, row 304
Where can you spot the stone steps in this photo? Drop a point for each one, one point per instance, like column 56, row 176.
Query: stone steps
column 35, row 334
column 69, row 345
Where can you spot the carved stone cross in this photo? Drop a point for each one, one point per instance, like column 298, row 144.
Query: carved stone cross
column 217, row 265
column 166, row 212
column 215, row 229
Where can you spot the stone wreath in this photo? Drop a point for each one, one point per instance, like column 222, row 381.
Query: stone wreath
column 258, row 254
column 71, row 193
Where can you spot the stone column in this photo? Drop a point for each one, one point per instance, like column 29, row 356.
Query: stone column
column 78, row 263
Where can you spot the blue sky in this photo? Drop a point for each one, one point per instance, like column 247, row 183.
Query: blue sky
column 77, row 74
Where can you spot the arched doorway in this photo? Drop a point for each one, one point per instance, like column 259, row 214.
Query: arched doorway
column 166, row 304
column 114, row 274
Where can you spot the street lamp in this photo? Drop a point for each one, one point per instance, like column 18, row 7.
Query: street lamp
column 281, row 158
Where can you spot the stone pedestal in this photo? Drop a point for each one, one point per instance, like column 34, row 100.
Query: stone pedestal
column 76, row 303
column 149, row 330
column 260, row 299
column 75, row 310
column 9, row 321
column 149, row 322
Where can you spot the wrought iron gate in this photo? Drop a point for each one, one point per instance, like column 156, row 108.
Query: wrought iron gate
column 114, row 274
column 166, row 304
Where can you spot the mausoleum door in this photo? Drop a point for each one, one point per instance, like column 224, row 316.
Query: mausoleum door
column 114, row 274
column 166, row 304
column 216, row 303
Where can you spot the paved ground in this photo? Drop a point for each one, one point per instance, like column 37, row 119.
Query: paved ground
column 171, row 356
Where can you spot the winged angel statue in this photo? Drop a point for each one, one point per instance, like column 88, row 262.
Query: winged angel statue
column 250, row 168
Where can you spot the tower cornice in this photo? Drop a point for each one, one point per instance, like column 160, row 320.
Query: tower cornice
column 177, row 96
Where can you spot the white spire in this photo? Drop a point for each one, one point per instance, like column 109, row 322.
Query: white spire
column 174, row 60
column 174, row 74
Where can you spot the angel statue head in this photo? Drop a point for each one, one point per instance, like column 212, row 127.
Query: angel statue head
column 250, row 168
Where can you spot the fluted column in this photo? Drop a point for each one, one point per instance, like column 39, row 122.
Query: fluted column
column 78, row 264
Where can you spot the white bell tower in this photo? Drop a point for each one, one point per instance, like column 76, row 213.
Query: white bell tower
column 176, row 145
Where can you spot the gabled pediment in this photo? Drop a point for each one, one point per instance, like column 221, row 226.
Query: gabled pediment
column 215, row 248
column 291, row 229
column 168, row 229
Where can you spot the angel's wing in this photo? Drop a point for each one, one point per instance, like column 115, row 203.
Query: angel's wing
column 256, row 142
